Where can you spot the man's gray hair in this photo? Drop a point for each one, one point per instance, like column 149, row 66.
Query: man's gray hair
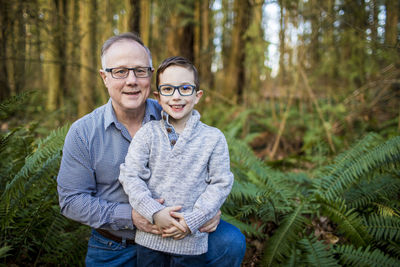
column 128, row 36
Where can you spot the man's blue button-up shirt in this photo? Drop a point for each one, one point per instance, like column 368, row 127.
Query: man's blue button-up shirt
column 88, row 186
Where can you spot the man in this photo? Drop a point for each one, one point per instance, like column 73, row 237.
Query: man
column 96, row 145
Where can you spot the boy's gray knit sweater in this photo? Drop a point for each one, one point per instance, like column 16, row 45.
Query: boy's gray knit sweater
column 194, row 174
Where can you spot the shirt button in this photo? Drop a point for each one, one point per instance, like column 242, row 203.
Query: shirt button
column 173, row 142
column 169, row 130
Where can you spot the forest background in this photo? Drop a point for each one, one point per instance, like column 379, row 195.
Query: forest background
column 307, row 93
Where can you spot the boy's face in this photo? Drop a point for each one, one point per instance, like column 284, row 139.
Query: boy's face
column 178, row 107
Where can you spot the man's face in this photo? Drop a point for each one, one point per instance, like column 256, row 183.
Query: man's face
column 130, row 93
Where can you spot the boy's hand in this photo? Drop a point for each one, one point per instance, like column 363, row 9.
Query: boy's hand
column 164, row 220
column 175, row 232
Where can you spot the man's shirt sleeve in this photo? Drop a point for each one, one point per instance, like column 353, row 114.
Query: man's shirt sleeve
column 77, row 189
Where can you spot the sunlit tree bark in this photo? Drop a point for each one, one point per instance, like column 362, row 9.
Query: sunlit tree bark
column 392, row 20
column 52, row 66
column 282, row 51
column 145, row 21
column 202, row 45
column 235, row 75
column 255, row 48
column 87, row 76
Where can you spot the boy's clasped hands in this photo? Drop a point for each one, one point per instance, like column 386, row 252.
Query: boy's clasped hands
column 171, row 223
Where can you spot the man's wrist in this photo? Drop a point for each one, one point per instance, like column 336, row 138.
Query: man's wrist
column 122, row 217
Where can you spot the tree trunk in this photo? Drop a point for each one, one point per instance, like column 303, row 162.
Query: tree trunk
column 392, row 20
column 135, row 16
column 5, row 20
column 145, row 21
column 282, row 33
column 206, row 52
column 52, row 64
column 255, row 47
column 235, row 75
column 86, row 59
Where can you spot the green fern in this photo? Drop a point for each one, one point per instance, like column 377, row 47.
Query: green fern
column 46, row 149
column 351, row 256
column 317, row 254
column 366, row 193
column 350, row 169
column 384, row 228
column 278, row 247
column 348, row 221
column 4, row 251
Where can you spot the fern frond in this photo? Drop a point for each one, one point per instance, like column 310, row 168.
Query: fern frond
column 316, row 253
column 279, row 245
column 365, row 193
column 348, row 220
column 385, row 210
column 252, row 170
column 47, row 147
column 7, row 104
column 4, row 140
column 393, row 248
column 343, row 175
column 384, row 228
column 4, row 251
column 244, row 227
column 350, row 256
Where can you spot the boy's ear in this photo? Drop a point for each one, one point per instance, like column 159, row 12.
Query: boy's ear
column 199, row 94
column 156, row 95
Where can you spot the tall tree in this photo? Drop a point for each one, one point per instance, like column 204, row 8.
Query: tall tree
column 145, row 9
column 52, row 66
column 179, row 31
column 5, row 34
column 255, row 48
column 87, row 71
column 202, row 44
column 235, row 71
column 282, row 42
column 392, row 20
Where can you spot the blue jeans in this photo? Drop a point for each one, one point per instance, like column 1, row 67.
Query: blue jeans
column 149, row 257
column 226, row 247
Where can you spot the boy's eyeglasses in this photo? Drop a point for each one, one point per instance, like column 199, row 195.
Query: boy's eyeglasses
column 184, row 90
column 122, row 73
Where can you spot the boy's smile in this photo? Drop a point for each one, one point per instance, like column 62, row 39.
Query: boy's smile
column 178, row 107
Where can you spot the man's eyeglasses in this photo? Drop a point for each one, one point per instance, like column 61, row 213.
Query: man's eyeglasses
column 184, row 90
column 122, row 73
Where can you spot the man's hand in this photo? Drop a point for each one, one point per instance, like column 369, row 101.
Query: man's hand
column 143, row 224
column 212, row 224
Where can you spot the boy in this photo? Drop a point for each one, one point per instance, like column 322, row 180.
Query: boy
column 182, row 161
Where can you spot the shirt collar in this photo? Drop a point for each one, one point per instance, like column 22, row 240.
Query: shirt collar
column 110, row 117
column 192, row 121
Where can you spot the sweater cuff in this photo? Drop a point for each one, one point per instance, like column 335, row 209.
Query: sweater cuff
column 148, row 207
column 194, row 220
column 122, row 217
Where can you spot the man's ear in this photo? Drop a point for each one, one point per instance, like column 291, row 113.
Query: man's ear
column 103, row 76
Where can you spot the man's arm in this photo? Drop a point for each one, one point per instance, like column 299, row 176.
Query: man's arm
column 77, row 188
